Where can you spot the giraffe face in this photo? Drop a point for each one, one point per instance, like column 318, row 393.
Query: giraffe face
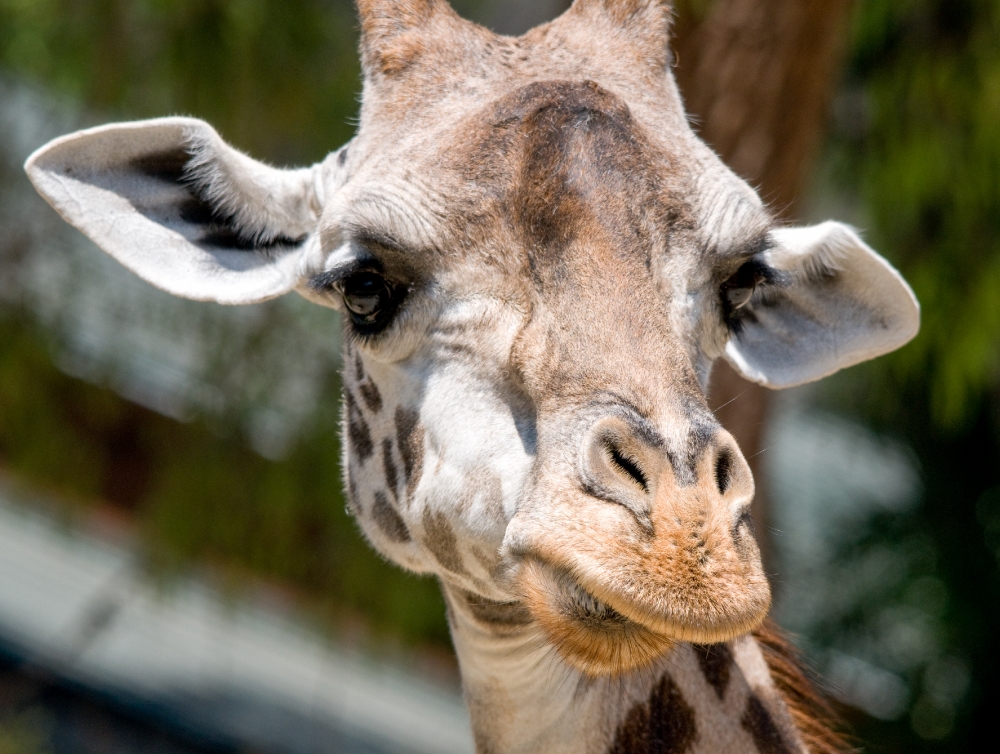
column 527, row 420
column 536, row 262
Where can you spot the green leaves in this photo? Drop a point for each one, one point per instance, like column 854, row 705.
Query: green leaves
column 928, row 161
column 279, row 79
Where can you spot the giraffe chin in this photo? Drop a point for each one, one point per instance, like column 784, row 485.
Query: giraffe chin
column 589, row 634
column 601, row 639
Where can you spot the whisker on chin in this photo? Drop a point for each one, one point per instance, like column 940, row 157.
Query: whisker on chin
column 731, row 400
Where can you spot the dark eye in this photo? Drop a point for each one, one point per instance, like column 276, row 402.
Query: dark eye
column 737, row 298
column 369, row 298
column 739, row 289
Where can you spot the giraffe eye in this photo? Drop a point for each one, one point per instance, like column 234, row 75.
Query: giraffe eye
column 737, row 298
column 367, row 296
column 739, row 289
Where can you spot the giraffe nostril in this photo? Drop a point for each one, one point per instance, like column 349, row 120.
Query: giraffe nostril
column 626, row 465
column 724, row 470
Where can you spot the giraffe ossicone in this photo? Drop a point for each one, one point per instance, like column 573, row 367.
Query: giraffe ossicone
column 536, row 263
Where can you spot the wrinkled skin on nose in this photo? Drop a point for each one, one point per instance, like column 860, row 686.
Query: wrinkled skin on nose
column 632, row 532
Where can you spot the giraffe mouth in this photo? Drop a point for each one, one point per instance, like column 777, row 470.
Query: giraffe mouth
column 602, row 633
column 588, row 633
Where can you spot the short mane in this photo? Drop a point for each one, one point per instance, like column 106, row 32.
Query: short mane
column 818, row 723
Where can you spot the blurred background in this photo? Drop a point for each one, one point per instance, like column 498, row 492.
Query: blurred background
column 177, row 572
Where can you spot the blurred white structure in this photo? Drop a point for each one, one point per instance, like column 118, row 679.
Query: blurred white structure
column 79, row 607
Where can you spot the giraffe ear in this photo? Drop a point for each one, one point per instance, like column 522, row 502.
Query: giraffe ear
column 391, row 37
column 643, row 25
column 629, row 12
column 837, row 303
column 185, row 211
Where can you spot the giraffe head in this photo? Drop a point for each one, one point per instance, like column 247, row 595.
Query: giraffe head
column 536, row 262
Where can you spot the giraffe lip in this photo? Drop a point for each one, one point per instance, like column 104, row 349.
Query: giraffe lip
column 581, row 599
column 590, row 634
column 576, row 599
column 591, row 606
column 713, row 627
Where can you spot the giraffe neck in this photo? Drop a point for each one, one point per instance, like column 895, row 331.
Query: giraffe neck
column 704, row 700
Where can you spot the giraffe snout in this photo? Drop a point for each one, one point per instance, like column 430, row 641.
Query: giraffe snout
column 627, row 464
column 650, row 545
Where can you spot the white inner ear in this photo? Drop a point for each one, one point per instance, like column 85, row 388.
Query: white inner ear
column 183, row 210
column 842, row 304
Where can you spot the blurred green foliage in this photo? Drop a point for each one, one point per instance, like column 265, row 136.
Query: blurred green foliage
column 916, row 145
column 22, row 734
column 923, row 150
column 278, row 78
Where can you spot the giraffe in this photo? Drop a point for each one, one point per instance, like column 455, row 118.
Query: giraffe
column 536, row 263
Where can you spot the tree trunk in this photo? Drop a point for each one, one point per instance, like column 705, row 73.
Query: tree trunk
column 757, row 76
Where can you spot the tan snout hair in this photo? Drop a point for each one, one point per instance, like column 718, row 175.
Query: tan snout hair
column 640, row 549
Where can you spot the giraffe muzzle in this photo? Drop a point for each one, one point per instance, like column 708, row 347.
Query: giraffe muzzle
column 648, row 548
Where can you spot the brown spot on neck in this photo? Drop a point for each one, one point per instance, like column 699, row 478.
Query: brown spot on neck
column 716, row 662
column 505, row 615
column 368, row 389
column 359, row 436
column 665, row 724
column 484, row 485
column 766, row 734
column 388, row 520
column 410, row 440
column 440, row 539
column 389, row 466
column 353, row 503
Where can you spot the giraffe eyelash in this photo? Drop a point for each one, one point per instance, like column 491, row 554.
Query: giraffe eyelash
column 761, row 283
